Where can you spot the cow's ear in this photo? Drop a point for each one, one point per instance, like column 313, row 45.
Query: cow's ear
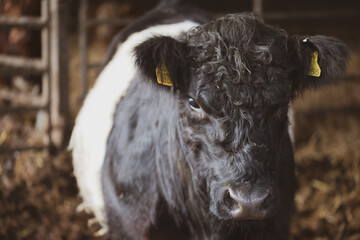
column 163, row 60
column 320, row 60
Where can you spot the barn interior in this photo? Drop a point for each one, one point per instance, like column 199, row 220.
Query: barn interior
column 50, row 54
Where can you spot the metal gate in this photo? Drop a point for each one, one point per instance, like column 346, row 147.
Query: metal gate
column 52, row 66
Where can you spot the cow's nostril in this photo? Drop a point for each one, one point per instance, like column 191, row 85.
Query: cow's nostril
column 229, row 201
column 249, row 205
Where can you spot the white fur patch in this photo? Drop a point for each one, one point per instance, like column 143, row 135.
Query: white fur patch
column 291, row 127
column 95, row 119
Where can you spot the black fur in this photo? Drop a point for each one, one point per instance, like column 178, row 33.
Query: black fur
column 168, row 161
column 167, row 51
column 333, row 56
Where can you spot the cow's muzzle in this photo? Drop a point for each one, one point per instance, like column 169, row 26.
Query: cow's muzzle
column 248, row 202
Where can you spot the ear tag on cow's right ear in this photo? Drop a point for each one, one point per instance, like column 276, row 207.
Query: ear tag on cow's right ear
column 314, row 70
column 163, row 75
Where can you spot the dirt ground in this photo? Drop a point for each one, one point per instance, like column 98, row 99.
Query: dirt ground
column 39, row 196
column 327, row 153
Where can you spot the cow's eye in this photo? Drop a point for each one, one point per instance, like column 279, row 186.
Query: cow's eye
column 194, row 109
column 193, row 104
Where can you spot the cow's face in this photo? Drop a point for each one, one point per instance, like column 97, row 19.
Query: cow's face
column 233, row 79
column 234, row 115
column 234, row 145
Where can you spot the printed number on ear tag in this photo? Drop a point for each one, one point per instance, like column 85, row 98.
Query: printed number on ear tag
column 163, row 75
column 314, row 70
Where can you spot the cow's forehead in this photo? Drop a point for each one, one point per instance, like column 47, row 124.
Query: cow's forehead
column 222, row 84
column 244, row 32
column 225, row 97
column 240, row 62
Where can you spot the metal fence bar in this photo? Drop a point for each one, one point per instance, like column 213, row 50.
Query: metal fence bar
column 22, row 22
column 6, row 110
column 64, row 105
column 83, row 48
column 56, row 120
column 45, row 50
column 23, row 148
column 45, row 57
column 19, row 65
column 20, row 98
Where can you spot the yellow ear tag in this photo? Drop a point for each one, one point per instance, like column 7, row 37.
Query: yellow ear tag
column 163, row 75
column 314, row 70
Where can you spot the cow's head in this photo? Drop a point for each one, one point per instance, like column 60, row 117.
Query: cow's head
column 233, row 79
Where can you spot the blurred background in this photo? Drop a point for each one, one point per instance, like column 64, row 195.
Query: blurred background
column 50, row 54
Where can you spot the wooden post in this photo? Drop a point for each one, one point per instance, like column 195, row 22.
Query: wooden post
column 258, row 7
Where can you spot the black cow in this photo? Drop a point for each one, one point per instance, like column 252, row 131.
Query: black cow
column 198, row 145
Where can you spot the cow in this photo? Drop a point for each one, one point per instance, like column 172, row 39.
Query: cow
column 186, row 134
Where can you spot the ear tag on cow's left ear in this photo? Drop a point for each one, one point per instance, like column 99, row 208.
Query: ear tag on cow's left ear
column 314, row 70
column 163, row 75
